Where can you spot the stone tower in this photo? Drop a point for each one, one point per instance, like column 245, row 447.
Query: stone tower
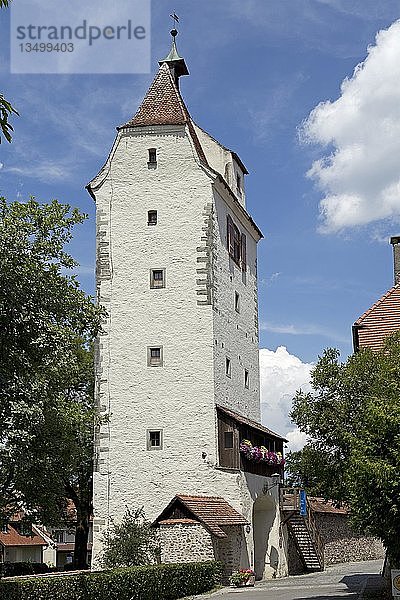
column 177, row 362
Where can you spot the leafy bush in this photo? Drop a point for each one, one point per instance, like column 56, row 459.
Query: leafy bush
column 14, row 569
column 131, row 543
column 154, row 582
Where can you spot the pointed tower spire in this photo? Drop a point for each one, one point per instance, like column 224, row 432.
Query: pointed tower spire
column 174, row 61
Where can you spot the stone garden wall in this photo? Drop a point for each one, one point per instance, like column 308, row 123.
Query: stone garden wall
column 185, row 542
column 342, row 543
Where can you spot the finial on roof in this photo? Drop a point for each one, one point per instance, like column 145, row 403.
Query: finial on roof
column 175, row 62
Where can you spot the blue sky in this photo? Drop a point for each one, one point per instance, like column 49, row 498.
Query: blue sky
column 257, row 70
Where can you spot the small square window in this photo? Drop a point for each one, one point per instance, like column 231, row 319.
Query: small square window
column 237, row 302
column 228, row 369
column 152, row 217
column 157, row 278
column 246, row 379
column 152, row 163
column 154, row 439
column 154, row 356
column 228, row 439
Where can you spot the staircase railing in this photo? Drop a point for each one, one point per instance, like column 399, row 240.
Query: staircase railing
column 290, row 501
column 315, row 535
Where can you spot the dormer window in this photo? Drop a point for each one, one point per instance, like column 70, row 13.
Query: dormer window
column 152, row 163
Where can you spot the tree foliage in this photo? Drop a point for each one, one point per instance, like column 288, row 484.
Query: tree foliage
column 131, row 542
column 47, row 326
column 353, row 454
column 6, row 110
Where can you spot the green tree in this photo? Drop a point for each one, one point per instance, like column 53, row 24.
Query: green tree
column 6, row 110
column 47, row 328
column 353, row 454
column 131, row 542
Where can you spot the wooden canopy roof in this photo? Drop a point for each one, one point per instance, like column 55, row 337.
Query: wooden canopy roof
column 211, row 511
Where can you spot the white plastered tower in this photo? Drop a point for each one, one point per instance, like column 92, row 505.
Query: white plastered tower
column 177, row 274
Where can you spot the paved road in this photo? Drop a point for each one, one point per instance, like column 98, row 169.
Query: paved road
column 339, row 582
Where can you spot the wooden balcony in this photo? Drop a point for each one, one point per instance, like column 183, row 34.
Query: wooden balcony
column 232, row 430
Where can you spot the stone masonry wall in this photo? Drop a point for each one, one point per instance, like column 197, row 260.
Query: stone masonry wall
column 228, row 550
column 295, row 564
column 342, row 544
column 185, row 542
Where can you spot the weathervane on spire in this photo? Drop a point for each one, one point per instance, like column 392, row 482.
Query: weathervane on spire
column 175, row 62
column 175, row 21
column 175, row 18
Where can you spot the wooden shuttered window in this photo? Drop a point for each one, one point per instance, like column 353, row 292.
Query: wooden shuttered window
column 236, row 243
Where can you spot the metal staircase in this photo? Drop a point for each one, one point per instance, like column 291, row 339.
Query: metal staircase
column 303, row 530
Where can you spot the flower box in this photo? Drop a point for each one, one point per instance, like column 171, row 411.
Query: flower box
column 260, row 454
column 243, row 578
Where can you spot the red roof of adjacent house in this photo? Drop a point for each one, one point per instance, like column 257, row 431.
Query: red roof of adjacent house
column 379, row 321
column 326, row 506
column 14, row 538
column 70, row 547
column 211, row 511
column 249, row 422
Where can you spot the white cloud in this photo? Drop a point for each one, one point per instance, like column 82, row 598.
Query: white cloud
column 1, row 165
column 363, row 9
column 281, row 375
column 361, row 177
column 297, row 439
column 308, row 329
column 44, row 171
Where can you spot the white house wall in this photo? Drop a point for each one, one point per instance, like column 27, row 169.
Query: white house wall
column 235, row 333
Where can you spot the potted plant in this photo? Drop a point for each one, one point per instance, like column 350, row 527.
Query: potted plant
column 243, row 578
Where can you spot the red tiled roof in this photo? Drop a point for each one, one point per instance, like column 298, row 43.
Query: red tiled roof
column 249, row 422
column 70, row 547
column 326, row 506
column 212, row 511
column 379, row 321
column 14, row 538
column 163, row 105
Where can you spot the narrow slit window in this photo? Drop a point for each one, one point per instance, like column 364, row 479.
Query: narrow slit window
column 237, row 302
column 228, row 367
column 152, row 217
column 246, row 379
column 155, row 356
column 239, row 184
column 157, row 278
column 228, row 439
column 154, row 439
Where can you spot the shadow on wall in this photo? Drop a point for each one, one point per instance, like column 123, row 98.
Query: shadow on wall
column 265, row 554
